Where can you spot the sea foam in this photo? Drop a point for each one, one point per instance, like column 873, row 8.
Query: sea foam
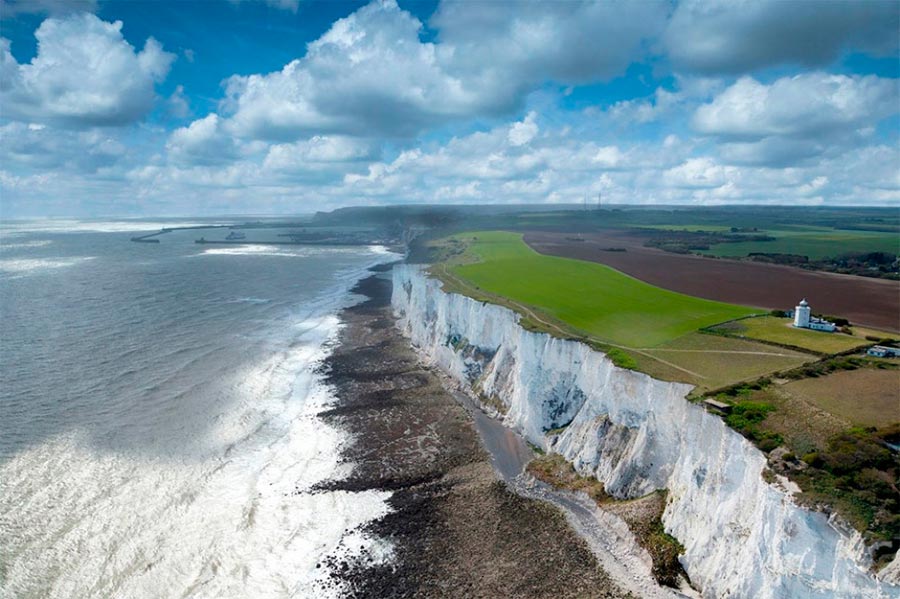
column 239, row 515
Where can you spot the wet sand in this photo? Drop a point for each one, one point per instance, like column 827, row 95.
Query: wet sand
column 456, row 529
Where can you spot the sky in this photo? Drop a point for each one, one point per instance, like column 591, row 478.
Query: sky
column 216, row 107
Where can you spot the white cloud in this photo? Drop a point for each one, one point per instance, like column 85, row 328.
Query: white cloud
column 812, row 104
column 523, row 131
column 177, row 104
column 328, row 156
column 646, row 111
column 36, row 147
column 514, row 45
column 370, row 74
column 201, row 142
column 697, row 173
column 315, row 130
column 84, row 74
column 796, row 118
column 724, row 36
column 608, row 156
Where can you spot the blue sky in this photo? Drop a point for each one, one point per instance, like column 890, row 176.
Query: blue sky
column 288, row 106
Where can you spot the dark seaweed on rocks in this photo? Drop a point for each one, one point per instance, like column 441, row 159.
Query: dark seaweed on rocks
column 456, row 531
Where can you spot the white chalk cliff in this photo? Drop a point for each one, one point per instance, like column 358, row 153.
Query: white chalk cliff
column 743, row 537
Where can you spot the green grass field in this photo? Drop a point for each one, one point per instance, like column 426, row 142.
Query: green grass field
column 779, row 330
column 814, row 242
column 720, row 361
column 591, row 297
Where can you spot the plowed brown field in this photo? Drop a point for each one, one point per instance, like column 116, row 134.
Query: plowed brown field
column 864, row 301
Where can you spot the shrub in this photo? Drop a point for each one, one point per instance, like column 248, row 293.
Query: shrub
column 812, row 458
column 744, row 418
column 769, row 442
column 849, row 452
column 621, row 359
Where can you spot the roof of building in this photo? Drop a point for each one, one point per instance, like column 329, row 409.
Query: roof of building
column 717, row 404
column 803, row 302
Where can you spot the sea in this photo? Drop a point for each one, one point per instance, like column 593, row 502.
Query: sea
column 159, row 434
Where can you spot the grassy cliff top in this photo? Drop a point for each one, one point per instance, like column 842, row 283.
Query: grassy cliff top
column 593, row 298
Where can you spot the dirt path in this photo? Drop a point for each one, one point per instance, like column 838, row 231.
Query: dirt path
column 720, row 351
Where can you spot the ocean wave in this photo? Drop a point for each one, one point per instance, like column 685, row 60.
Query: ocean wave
column 38, row 243
column 29, row 265
column 248, row 300
column 260, row 250
column 240, row 514
column 80, row 226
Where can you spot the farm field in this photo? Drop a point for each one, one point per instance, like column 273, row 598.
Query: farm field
column 871, row 302
column 591, row 297
column 688, row 227
column 583, row 300
column 864, row 397
column 780, row 330
column 815, row 243
column 721, row 361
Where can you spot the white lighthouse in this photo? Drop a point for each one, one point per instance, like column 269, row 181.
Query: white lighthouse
column 801, row 314
column 802, row 319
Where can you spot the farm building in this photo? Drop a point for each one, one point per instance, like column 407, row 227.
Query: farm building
column 880, row 351
column 803, row 319
column 718, row 406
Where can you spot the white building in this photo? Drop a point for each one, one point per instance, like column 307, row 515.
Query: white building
column 803, row 320
column 881, row 351
column 801, row 314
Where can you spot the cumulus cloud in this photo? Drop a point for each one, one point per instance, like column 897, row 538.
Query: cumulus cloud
column 660, row 105
column 316, row 130
column 524, row 131
column 370, row 74
column 84, row 74
column 514, row 45
column 201, row 142
column 721, row 36
column 40, row 148
column 321, row 158
column 809, row 105
column 797, row 117
column 697, row 173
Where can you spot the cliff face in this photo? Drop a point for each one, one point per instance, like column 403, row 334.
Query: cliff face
column 743, row 537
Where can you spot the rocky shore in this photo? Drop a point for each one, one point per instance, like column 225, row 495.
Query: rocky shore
column 456, row 530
